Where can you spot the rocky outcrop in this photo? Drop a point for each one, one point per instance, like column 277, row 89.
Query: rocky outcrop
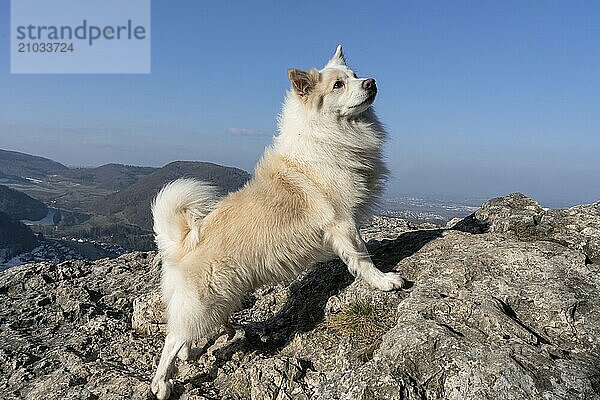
column 577, row 227
column 505, row 305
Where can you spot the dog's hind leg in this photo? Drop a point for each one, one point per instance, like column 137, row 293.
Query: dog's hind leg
column 161, row 387
column 346, row 242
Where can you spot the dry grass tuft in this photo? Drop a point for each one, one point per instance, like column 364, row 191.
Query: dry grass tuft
column 364, row 323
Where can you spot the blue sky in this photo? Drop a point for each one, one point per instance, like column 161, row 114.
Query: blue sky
column 480, row 98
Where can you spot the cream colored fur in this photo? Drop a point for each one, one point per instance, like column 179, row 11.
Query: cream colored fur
column 321, row 176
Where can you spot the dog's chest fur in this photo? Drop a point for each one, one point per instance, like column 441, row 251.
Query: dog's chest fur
column 343, row 157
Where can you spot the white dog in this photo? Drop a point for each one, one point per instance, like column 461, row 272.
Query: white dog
column 311, row 187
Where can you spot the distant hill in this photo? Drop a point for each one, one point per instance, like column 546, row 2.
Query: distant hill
column 15, row 237
column 109, row 203
column 109, row 176
column 16, row 166
column 6, row 178
column 28, row 166
column 19, row 206
column 135, row 200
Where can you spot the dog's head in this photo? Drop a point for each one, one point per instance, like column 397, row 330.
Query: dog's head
column 334, row 90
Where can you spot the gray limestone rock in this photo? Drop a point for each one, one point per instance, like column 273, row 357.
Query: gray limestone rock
column 504, row 304
column 577, row 227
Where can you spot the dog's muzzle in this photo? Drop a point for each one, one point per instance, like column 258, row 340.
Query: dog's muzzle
column 369, row 84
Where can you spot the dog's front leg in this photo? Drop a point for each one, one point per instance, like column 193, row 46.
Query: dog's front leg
column 161, row 387
column 346, row 242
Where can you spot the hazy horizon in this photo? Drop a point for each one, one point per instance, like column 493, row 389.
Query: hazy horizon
column 391, row 192
column 479, row 99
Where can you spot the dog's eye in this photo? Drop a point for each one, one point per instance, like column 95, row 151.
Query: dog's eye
column 338, row 84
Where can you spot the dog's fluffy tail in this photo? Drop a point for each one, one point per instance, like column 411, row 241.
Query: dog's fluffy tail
column 178, row 210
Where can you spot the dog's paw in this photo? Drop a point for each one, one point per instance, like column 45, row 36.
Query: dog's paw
column 161, row 389
column 390, row 281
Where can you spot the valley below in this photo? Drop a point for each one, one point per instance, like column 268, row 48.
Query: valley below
column 86, row 213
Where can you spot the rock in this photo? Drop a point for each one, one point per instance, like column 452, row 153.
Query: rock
column 502, row 304
column 148, row 314
column 577, row 227
column 453, row 222
column 382, row 227
column 66, row 329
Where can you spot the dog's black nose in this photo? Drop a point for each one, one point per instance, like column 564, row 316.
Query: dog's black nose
column 369, row 84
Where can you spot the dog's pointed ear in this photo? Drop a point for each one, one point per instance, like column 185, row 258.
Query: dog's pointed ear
column 338, row 58
column 303, row 82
